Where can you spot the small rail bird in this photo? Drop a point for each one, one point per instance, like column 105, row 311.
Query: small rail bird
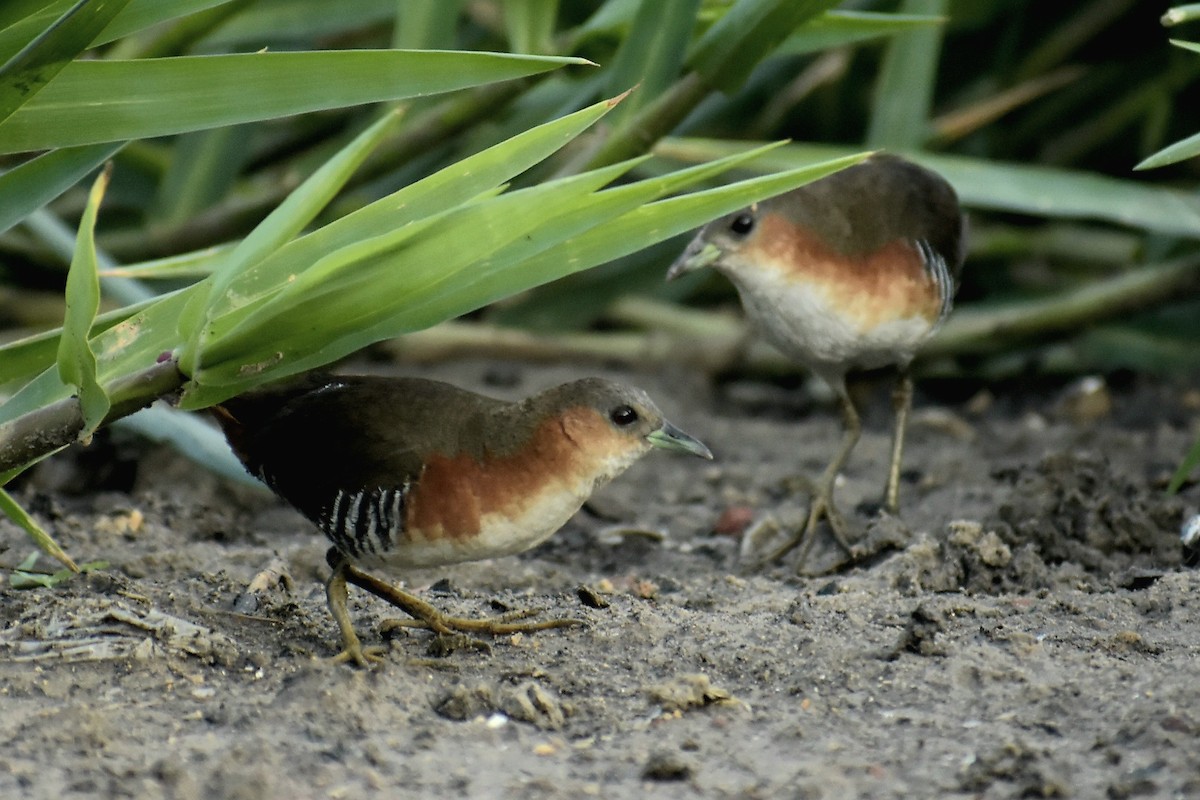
column 406, row 472
column 853, row 271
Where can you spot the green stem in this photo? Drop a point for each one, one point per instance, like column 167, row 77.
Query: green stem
column 54, row 426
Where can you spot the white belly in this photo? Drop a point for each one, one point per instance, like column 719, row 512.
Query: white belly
column 799, row 320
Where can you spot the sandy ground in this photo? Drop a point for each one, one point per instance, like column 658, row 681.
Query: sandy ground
column 1028, row 629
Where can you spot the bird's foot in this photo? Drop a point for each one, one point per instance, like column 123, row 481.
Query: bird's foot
column 365, row 657
column 821, row 507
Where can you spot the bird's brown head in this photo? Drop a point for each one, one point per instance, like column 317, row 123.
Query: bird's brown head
column 612, row 423
column 848, row 216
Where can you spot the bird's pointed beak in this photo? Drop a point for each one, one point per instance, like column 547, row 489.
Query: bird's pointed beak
column 697, row 255
column 668, row 437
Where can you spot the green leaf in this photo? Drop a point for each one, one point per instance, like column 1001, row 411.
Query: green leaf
column 998, row 185
column 185, row 266
column 76, row 361
column 493, row 262
column 142, row 14
column 135, row 342
column 280, row 226
column 203, row 169
column 530, row 24
column 640, row 228
column 24, row 578
column 1187, row 148
column 301, row 21
column 748, row 31
column 841, row 28
column 456, row 184
column 29, row 71
column 905, row 87
column 23, row 359
column 44, row 541
column 21, row 20
column 1180, row 14
column 1190, row 462
column 651, row 56
column 349, row 291
column 425, row 24
column 36, row 182
column 102, row 101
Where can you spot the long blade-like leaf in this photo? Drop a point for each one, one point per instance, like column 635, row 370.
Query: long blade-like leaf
column 12, row 509
column 25, row 74
column 103, row 101
column 445, row 189
column 31, row 185
column 734, row 45
column 651, row 55
column 840, row 28
column 280, row 226
column 904, row 91
column 76, row 361
column 426, row 295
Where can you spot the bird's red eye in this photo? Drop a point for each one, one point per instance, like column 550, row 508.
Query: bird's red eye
column 742, row 224
column 623, row 415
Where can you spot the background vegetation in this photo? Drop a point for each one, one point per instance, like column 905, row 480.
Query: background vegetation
column 264, row 214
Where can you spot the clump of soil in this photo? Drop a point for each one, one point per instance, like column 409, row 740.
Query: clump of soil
column 1074, row 508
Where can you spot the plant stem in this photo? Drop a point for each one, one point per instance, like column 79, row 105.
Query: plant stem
column 58, row 424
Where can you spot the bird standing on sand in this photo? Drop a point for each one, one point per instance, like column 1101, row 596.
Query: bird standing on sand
column 406, row 472
column 853, row 271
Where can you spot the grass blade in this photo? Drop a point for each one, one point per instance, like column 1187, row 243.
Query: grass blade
column 103, row 101
column 530, row 24
column 1190, row 462
column 76, row 361
column 652, row 55
column 44, row 541
column 745, row 34
column 904, row 91
column 30, row 70
column 841, row 28
column 28, row 187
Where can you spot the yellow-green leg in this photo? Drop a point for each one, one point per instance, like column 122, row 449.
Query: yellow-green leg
column 426, row 616
column 336, row 596
column 821, row 505
column 901, row 403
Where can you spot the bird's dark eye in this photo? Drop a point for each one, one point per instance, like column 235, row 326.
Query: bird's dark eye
column 623, row 415
column 742, row 224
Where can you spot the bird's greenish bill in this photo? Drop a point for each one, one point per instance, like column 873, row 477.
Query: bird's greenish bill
column 668, row 437
column 698, row 254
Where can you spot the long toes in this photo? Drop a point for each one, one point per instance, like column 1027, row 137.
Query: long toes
column 365, row 657
column 494, row 626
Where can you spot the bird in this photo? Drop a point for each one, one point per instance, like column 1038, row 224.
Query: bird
column 403, row 472
column 853, row 271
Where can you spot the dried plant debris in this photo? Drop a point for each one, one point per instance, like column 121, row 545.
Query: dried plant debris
column 115, row 630
column 529, row 702
column 685, row 692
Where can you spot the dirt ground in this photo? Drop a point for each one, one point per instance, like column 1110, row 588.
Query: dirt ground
column 1029, row 628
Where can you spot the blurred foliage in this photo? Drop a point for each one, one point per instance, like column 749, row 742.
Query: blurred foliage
column 264, row 216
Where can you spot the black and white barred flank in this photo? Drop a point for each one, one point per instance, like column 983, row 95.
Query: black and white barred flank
column 366, row 520
column 939, row 273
